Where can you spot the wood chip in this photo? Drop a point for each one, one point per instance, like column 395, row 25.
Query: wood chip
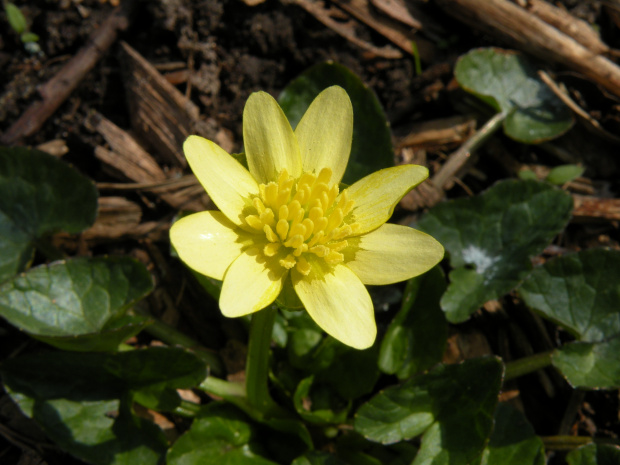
column 393, row 30
column 160, row 113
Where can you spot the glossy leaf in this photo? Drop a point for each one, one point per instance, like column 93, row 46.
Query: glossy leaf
column 78, row 304
column 372, row 144
column 491, row 237
column 507, row 81
column 89, row 430
column 594, row 454
column 438, row 404
column 416, row 337
column 39, row 195
column 580, row 293
column 79, row 399
column 513, row 441
column 220, row 436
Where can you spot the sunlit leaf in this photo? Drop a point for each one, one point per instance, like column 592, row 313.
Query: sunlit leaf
column 416, row 337
column 372, row 143
column 438, row 404
column 589, row 364
column 78, row 304
column 507, row 81
column 491, row 237
column 39, row 195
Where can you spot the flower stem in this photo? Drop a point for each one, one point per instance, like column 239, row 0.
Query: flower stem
column 257, row 366
column 527, row 365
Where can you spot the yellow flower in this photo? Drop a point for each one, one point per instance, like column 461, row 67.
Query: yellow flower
column 285, row 219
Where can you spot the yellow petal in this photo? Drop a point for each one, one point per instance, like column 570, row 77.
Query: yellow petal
column 325, row 131
column 251, row 283
column 270, row 144
column 226, row 181
column 391, row 254
column 376, row 195
column 338, row 302
column 207, row 242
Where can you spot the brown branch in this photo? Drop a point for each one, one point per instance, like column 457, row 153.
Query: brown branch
column 55, row 91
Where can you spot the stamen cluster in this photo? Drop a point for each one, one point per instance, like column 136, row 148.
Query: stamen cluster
column 302, row 216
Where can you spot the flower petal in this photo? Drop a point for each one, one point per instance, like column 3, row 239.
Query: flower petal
column 392, row 253
column 207, row 242
column 325, row 132
column 377, row 194
column 338, row 302
column 270, row 144
column 250, row 284
column 226, row 181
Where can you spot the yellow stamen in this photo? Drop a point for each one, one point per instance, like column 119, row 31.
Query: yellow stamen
column 301, row 217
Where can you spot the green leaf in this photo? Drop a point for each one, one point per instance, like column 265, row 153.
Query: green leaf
column 491, row 237
column 78, row 304
column 16, row 18
column 88, row 430
column 372, row 144
column 416, row 338
column 39, row 195
column 221, row 436
column 438, row 404
column 580, row 292
column 507, row 81
column 513, row 441
column 82, row 375
column 590, row 365
column 594, row 454
column 564, row 173
column 78, row 398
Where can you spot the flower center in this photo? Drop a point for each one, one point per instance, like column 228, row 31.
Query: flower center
column 302, row 216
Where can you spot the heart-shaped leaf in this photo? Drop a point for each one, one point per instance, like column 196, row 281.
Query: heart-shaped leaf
column 580, row 292
column 491, row 237
column 507, row 81
column 39, row 195
column 438, row 404
column 416, row 337
column 372, row 141
column 221, row 435
column 78, row 304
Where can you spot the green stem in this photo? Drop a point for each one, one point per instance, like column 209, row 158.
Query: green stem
column 527, row 365
column 257, row 366
column 173, row 337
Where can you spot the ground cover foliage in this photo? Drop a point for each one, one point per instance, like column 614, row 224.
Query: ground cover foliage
column 113, row 352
